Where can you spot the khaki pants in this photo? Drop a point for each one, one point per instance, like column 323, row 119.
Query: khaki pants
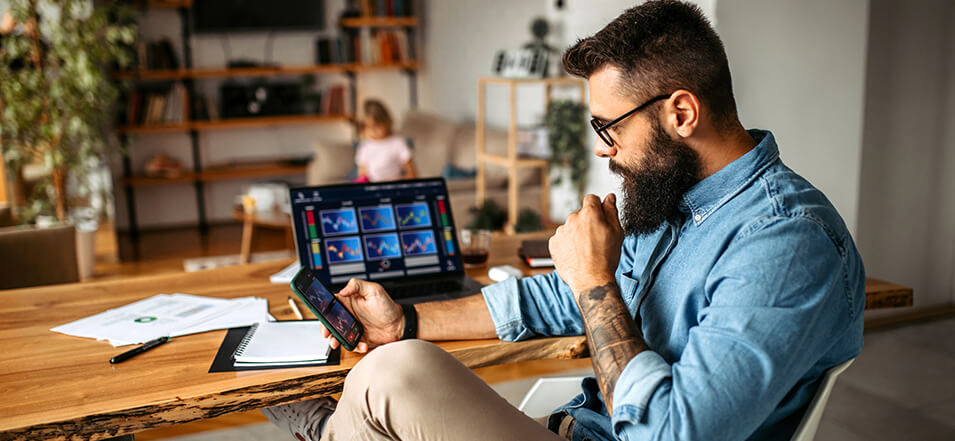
column 414, row 390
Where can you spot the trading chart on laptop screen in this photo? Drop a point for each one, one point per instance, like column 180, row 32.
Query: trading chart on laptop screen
column 375, row 231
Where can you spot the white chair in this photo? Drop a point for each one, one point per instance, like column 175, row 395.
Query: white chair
column 810, row 422
column 549, row 393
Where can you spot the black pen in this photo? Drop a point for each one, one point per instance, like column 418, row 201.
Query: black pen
column 136, row 351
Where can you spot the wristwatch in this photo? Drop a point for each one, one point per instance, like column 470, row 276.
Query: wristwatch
column 411, row 322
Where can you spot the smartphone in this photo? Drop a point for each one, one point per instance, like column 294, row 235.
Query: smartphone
column 332, row 313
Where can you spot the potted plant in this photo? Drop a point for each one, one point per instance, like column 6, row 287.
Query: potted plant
column 57, row 97
column 56, row 106
column 566, row 123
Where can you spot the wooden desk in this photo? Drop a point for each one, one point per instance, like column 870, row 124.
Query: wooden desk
column 60, row 387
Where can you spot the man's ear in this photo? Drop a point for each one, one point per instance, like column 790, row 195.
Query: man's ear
column 684, row 113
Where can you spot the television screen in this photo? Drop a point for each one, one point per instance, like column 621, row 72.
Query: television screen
column 257, row 15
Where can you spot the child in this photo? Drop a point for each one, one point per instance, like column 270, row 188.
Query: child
column 381, row 156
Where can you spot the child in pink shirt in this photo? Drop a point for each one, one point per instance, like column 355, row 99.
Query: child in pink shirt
column 382, row 156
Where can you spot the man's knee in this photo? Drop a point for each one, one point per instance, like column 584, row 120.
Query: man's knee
column 402, row 365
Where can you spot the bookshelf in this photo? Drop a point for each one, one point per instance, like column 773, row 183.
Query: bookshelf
column 367, row 26
column 380, row 22
column 220, row 173
column 511, row 161
column 181, row 74
column 235, row 123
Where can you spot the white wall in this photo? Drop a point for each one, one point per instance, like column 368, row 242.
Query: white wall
column 799, row 70
column 460, row 39
column 907, row 200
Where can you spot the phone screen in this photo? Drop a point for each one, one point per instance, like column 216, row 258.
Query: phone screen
column 332, row 310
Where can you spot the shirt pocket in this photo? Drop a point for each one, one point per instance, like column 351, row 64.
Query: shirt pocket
column 628, row 288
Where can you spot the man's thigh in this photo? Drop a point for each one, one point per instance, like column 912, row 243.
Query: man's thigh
column 416, row 390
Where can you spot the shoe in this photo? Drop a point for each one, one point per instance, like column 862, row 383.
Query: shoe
column 305, row 419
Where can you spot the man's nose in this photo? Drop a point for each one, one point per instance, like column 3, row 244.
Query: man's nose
column 603, row 150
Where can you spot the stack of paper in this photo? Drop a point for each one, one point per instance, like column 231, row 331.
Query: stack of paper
column 167, row 315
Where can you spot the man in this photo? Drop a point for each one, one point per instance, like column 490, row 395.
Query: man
column 711, row 312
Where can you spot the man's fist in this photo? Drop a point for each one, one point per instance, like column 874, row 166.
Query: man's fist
column 586, row 248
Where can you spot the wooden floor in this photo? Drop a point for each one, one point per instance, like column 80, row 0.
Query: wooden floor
column 163, row 252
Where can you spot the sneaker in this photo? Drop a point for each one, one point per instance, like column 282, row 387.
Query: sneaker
column 305, row 419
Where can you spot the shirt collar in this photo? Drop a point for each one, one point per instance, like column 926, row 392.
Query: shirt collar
column 708, row 195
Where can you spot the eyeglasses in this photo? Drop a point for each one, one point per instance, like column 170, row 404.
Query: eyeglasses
column 602, row 129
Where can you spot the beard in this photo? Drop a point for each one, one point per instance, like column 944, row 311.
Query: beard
column 653, row 188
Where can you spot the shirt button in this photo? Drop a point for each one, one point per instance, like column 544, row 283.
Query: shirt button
column 698, row 217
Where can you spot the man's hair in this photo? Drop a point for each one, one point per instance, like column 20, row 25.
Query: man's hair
column 660, row 47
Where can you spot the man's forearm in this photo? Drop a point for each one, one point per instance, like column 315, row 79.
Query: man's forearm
column 611, row 333
column 458, row 319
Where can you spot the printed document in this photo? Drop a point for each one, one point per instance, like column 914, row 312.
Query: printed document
column 170, row 315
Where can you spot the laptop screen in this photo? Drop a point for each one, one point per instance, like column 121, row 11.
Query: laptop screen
column 375, row 231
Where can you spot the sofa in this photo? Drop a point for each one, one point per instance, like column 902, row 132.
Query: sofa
column 441, row 148
column 38, row 256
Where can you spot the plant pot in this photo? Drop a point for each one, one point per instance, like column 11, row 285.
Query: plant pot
column 564, row 197
column 85, row 252
column 87, row 224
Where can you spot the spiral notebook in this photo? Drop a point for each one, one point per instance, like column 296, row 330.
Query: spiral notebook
column 274, row 345
column 284, row 343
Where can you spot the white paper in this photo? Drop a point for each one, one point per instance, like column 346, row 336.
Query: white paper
column 286, row 274
column 167, row 315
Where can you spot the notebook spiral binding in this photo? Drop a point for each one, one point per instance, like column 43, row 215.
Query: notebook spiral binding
column 245, row 341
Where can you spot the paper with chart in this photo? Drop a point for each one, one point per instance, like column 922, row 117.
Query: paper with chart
column 170, row 315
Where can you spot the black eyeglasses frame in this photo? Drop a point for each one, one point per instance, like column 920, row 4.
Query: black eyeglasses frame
column 601, row 130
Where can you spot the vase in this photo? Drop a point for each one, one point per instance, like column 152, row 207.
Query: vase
column 564, row 196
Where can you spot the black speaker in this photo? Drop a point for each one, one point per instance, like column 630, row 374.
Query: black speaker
column 250, row 100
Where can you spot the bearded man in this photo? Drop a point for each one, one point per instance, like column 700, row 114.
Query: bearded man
column 711, row 312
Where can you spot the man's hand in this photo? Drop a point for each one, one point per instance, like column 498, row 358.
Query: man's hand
column 586, row 249
column 379, row 315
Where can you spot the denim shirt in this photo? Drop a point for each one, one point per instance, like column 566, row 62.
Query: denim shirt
column 745, row 301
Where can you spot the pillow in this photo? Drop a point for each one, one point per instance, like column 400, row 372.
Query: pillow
column 331, row 163
column 431, row 136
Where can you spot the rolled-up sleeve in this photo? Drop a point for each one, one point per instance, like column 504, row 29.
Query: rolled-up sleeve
column 532, row 306
column 773, row 309
column 543, row 304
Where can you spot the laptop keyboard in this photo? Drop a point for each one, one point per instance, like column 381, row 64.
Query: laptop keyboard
column 424, row 288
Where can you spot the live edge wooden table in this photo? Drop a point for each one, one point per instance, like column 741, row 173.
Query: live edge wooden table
column 58, row 387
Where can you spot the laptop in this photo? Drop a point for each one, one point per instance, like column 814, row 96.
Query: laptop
column 400, row 234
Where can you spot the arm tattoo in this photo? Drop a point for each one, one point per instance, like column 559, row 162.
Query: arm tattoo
column 612, row 334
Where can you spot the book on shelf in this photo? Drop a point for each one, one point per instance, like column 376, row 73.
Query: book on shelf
column 156, row 105
column 386, row 8
column 333, row 100
column 387, row 46
column 335, row 50
column 157, row 55
column 383, row 47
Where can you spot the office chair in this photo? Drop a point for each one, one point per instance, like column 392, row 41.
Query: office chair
column 549, row 393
